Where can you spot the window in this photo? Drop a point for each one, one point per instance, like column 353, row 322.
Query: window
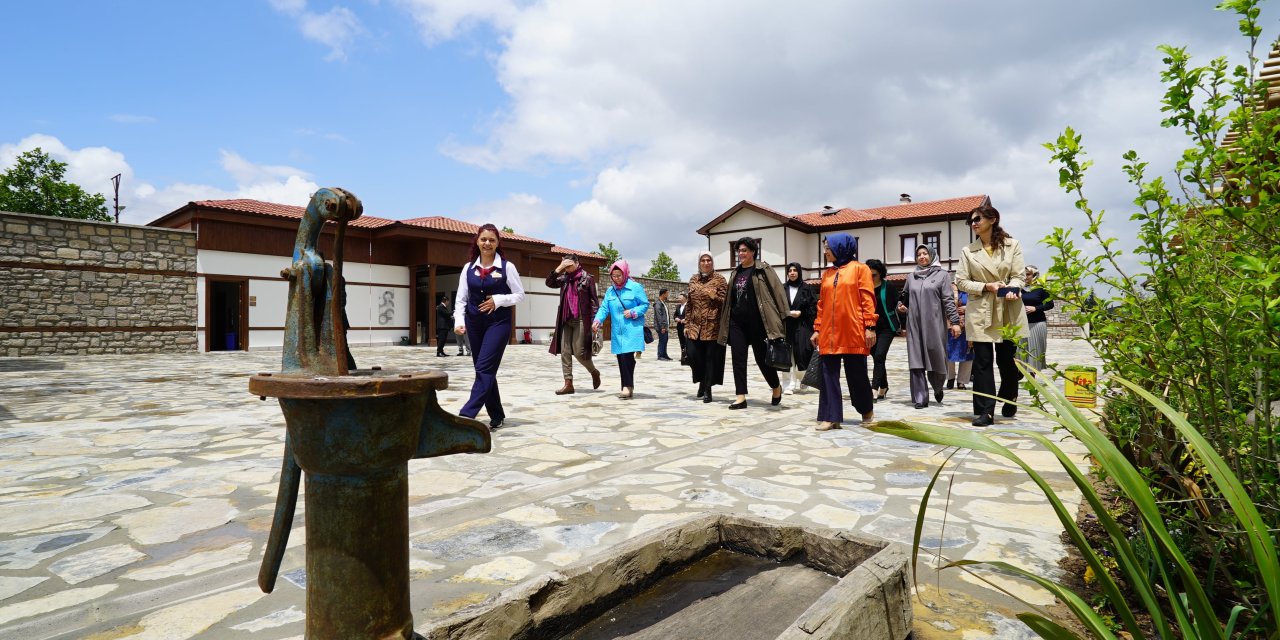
column 733, row 251
column 908, row 248
column 933, row 239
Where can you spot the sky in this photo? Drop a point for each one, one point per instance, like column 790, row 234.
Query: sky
column 597, row 121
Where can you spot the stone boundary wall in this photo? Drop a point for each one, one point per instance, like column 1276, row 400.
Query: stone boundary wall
column 1060, row 323
column 79, row 287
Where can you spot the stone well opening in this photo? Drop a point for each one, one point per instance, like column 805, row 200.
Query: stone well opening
column 712, row 576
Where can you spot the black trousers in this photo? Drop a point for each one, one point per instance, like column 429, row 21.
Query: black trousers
column 830, row 403
column 441, row 336
column 703, row 360
column 627, row 370
column 1000, row 354
column 738, row 341
column 880, row 352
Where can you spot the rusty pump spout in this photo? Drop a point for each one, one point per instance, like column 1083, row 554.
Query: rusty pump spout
column 353, row 433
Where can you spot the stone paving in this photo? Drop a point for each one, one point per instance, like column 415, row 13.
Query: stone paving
column 136, row 492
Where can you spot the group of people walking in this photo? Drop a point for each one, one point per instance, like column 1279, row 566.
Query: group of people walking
column 951, row 324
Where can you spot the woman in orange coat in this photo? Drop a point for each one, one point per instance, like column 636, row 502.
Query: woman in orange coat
column 844, row 331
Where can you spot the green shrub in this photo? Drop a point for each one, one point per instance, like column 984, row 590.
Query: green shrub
column 1198, row 321
column 1154, row 563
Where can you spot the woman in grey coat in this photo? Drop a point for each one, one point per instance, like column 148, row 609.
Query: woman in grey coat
column 931, row 313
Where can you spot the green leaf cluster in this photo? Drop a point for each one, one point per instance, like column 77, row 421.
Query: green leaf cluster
column 1198, row 321
column 35, row 185
column 663, row 268
column 1168, row 585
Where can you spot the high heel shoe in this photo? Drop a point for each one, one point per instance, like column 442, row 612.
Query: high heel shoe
column 777, row 398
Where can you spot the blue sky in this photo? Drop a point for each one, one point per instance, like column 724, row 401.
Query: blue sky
column 585, row 121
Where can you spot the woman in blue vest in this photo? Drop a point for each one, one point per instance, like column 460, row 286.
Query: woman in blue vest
column 487, row 289
column 625, row 304
column 887, row 326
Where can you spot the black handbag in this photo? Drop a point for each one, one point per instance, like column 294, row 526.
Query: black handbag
column 648, row 335
column 813, row 375
column 779, row 354
column 778, row 350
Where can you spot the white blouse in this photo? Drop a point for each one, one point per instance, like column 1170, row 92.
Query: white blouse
column 502, row 299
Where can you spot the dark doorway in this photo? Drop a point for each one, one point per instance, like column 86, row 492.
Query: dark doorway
column 226, row 329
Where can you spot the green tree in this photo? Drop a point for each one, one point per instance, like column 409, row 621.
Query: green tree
column 663, row 268
column 610, row 254
column 34, row 185
column 508, row 230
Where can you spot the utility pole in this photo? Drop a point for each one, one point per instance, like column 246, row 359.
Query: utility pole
column 115, row 182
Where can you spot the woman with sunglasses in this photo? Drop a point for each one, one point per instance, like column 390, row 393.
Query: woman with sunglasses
column 991, row 272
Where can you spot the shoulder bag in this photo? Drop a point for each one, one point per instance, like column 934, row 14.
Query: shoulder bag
column 778, row 350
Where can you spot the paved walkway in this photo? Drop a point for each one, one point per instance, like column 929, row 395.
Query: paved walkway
column 136, row 492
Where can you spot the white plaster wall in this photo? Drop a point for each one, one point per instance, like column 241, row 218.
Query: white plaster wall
column 366, row 305
column 805, row 248
column 949, row 250
column 271, row 300
column 239, row 264
column 536, row 310
column 772, row 247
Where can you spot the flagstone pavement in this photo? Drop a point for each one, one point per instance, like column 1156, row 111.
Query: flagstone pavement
column 136, row 492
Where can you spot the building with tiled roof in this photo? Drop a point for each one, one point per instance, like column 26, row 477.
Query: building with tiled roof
column 396, row 271
column 887, row 233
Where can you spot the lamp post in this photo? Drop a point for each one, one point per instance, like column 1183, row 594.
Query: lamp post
column 115, row 183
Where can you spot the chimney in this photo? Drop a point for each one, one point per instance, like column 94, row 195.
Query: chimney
column 827, row 210
column 904, row 198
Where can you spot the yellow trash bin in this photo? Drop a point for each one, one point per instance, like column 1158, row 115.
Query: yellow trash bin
column 1079, row 385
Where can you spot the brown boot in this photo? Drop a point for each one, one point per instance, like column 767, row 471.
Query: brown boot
column 595, row 379
column 567, row 388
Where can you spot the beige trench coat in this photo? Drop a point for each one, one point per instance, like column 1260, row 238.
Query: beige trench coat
column 770, row 299
column 986, row 315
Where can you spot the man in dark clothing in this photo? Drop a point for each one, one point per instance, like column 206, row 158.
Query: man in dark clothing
column 662, row 323
column 579, row 301
column 444, row 322
column 678, row 316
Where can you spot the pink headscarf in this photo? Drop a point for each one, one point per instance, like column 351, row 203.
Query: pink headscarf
column 624, row 267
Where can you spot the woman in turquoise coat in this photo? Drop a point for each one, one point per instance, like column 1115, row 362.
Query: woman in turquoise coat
column 625, row 304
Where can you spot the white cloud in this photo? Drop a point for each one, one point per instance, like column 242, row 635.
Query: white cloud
column 444, row 19
column 92, row 168
column 527, row 214
column 681, row 109
column 336, row 28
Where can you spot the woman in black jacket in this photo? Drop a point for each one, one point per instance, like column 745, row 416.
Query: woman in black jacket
column 799, row 324
column 887, row 326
